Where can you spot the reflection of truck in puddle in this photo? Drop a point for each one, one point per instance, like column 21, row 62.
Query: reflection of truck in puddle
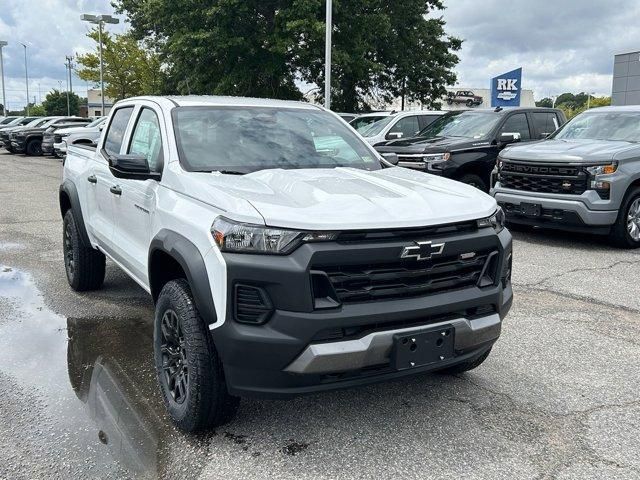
column 119, row 392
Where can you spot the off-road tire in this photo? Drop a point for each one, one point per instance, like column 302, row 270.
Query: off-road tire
column 34, row 148
column 86, row 272
column 475, row 181
column 466, row 366
column 207, row 402
column 619, row 235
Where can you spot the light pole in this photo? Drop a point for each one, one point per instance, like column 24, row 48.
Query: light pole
column 327, row 55
column 4, row 98
column 100, row 20
column 69, row 65
column 589, row 99
column 26, row 75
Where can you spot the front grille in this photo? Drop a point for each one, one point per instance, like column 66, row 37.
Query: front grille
column 407, row 233
column 252, row 304
column 57, row 138
column 543, row 178
column 409, row 278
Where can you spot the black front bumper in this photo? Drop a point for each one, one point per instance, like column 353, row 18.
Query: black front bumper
column 18, row 145
column 47, row 147
column 256, row 357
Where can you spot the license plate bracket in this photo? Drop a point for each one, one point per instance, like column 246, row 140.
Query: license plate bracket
column 531, row 209
column 422, row 348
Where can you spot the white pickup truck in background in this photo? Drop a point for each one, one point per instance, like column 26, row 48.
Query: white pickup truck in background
column 283, row 254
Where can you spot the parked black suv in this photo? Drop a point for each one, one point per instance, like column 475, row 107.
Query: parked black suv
column 25, row 122
column 464, row 145
column 29, row 140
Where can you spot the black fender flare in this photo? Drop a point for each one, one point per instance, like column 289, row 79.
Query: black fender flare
column 183, row 251
column 69, row 191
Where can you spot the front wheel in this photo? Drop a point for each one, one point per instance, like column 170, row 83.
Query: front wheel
column 469, row 103
column 34, row 148
column 189, row 370
column 626, row 231
column 475, row 181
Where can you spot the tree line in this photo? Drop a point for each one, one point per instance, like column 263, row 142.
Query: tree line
column 382, row 49
column 572, row 104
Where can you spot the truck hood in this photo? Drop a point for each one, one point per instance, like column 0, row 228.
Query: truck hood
column 343, row 198
column 568, row 150
column 71, row 130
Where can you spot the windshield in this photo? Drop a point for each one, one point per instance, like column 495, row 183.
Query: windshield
column 248, row 139
column 8, row 120
column 376, row 127
column 363, row 123
column 37, row 122
column 623, row 126
column 462, row 124
column 15, row 121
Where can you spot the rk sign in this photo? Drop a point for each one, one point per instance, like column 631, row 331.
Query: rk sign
column 505, row 89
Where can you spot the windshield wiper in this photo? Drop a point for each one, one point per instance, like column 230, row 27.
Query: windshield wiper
column 230, row 172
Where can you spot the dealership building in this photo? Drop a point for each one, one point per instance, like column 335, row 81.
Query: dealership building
column 626, row 79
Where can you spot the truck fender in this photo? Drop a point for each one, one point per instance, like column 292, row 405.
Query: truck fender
column 187, row 255
column 68, row 197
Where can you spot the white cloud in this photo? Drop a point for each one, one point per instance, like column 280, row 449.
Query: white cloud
column 51, row 29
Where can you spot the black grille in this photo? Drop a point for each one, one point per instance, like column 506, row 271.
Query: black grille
column 408, row 278
column 543, row 178
column 407, row 233
column 57, row 138
column 252, row 304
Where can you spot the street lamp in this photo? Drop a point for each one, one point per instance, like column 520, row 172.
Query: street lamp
column 589, row 99
column 327, row 55
column 26, row 75
column 4, row 98
column 100, row 20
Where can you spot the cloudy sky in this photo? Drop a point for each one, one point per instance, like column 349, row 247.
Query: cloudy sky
column 564, row 45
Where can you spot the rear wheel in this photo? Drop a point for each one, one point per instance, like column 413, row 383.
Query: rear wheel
column 189, row 370
column 466, row 366
column 84, row 265
column 34, row 147
column 469, row 103
column 475, row 181
column 626, row 231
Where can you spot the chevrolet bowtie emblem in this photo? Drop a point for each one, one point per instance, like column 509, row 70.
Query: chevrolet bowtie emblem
column 422, row 250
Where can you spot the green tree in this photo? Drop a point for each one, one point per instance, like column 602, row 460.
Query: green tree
column 38, row 111
column 130, row 67
column 545, row 102
column 55, row 103
column 381, row 48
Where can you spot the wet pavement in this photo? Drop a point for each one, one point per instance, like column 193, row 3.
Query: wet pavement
column 558, row 397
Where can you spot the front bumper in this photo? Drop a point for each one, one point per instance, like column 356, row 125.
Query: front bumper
column 60, row 148
column 560, row 213
column 303, row 349
column 18, row 145
column 47, row 147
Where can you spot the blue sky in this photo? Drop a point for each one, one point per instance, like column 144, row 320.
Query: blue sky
column 565, row 45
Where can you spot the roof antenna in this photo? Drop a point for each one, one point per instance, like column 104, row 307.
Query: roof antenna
column 498, row 109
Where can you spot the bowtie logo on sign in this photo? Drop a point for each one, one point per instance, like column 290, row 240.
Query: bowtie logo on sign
column 505, row 89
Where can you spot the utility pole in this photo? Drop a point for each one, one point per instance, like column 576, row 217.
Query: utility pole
column 69, row 65
column 327, row 55
column 4, row 98
column 26, row 75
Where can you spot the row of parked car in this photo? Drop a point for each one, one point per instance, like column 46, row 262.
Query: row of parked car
column 582, row 175
column 47, row 135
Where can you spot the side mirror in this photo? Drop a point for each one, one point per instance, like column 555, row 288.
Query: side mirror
column 390, row 158
column 507, row 138
column 132, row 167
column 394, row 135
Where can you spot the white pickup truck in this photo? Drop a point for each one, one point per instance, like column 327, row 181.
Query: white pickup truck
column 283, row 254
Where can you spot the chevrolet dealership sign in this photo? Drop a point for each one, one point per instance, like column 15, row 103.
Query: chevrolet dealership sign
column 505, row 89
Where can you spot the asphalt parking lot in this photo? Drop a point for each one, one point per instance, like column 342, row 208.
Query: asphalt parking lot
column 557, row 398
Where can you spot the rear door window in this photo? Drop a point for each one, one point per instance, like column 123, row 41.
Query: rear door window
column 408, row 126
column 117, row 129
column 545, row 123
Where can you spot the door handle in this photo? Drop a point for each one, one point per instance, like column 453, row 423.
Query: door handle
column 92, row 179
column 116, row 190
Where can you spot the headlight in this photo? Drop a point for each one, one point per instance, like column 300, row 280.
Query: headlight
column 602, row 169
column 436, row 157
column 497, row 221
column 64, row 135
column 238, row 237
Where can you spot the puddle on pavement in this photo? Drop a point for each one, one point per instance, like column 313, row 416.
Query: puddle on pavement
column 95, row 378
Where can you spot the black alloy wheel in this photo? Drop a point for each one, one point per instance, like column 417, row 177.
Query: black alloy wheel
column 174, row 356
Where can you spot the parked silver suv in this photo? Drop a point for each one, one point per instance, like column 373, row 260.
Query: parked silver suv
column 583, row 177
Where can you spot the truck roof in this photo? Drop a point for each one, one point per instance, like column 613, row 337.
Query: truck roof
column 226, row 101
column 619, row 108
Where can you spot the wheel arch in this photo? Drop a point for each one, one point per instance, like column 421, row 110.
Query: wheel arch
column 172, row 256
column 69, row 200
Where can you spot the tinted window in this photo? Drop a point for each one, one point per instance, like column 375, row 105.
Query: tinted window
column 146, row 139
column 545, row 123
column 246, row 139
column 408, row 126
column 517, row 123
column 115, row 135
